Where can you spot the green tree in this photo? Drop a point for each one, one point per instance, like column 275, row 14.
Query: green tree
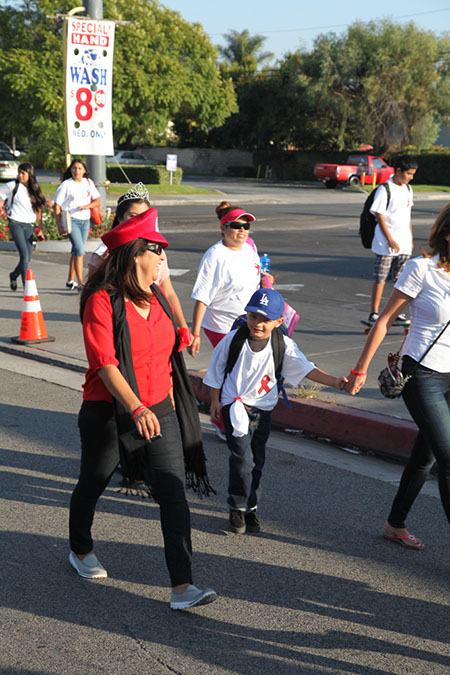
column 380, row 83
column 244, row 50
column 164, row 68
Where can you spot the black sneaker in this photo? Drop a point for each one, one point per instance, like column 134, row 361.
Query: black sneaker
column 12, row 282
column 237, row 521
column 373, row 317
column 252, row 521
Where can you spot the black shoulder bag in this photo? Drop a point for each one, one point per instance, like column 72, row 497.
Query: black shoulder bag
column 391, row 379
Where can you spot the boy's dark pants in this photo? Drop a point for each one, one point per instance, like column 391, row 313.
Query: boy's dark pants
column 247, row 457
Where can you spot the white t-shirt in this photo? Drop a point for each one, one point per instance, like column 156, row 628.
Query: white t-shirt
column 253, row 376
column 429, row 286
column 225, row 282
column 22, row 211
column 397, row 216
column 71, row 195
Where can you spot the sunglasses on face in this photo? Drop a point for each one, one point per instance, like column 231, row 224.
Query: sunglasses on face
column 237, row 226
column 155, row 248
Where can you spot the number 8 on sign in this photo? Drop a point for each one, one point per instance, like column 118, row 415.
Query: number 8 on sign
column 84, row 98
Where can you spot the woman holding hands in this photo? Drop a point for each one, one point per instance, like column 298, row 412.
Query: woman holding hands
column 424, row 284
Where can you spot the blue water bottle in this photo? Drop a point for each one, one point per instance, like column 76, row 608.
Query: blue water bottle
column 264, row 263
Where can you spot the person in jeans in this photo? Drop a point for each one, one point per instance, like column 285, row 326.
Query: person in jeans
column 76, row 196
column 393, row 238
column 24, row 202
column 248, row 395
column 424, row 284
column 128, row 387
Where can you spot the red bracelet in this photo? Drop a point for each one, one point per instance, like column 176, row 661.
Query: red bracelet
column 195, row 336
column 353, row 372
column 138, row 409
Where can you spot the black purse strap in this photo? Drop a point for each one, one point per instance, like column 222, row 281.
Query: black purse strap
column 433, row 343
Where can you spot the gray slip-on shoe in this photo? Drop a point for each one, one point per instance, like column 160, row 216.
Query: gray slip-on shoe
column 192, row 597
column 89, row 567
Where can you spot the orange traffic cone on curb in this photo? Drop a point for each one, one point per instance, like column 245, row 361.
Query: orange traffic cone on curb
column 32, row 327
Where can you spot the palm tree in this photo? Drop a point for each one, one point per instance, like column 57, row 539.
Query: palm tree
column 244, row 49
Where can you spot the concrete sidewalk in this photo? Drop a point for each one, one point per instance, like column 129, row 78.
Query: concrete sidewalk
column 345, row 425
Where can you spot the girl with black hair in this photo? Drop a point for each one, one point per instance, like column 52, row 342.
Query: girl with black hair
column 74, row 199
column 23, row 204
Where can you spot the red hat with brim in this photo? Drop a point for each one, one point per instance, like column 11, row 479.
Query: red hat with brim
column 236, row 214
column 142, row 226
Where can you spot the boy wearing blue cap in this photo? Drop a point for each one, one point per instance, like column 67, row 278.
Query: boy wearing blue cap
column 245, row 389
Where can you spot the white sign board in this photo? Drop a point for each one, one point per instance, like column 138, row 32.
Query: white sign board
column 171, row 162
column 89, row 65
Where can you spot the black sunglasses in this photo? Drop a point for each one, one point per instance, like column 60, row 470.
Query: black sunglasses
column 155, row 248
column 237, row 226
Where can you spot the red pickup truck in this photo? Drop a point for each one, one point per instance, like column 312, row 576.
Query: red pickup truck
column 350, row 173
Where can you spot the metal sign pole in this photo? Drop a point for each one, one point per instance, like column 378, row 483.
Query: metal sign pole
column 96, row 163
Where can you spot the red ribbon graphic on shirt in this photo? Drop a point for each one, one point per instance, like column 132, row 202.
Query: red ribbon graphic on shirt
column 264, row 382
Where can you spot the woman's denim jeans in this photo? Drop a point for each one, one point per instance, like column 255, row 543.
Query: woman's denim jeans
column 22, row 234
column 427, row 397
column 79, row 235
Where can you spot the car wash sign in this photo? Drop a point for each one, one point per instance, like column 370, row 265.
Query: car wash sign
column 89, row 64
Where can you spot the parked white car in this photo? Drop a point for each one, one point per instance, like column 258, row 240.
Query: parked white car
column 9, row 166
column 130, row 157
column 4, row 147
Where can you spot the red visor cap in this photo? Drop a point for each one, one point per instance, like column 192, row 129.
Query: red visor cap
column 235, row 214
column 142, row 226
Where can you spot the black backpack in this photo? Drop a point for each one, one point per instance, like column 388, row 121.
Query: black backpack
column 278, row 349
column 367, row 221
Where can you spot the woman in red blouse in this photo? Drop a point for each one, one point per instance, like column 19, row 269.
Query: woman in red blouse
column 129, row 341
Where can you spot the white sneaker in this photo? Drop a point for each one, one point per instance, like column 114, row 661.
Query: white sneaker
column 191, row 597
column 71, row 285
column 89, row 567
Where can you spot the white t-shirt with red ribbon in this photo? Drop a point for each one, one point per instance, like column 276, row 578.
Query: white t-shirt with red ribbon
column 253, row 376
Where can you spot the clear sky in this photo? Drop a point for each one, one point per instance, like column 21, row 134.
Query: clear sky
column 293, row 24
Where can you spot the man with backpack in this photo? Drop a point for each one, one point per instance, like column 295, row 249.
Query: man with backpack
column 243, row 375
column 392, row 240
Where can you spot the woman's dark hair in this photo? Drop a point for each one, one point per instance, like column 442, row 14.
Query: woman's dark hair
column 68, row 172
column 122, row 207
column 224, row 208
column 437, row 241
column 118, row 273
column 37, row 199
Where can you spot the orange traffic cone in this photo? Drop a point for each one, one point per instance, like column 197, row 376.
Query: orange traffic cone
column 32, row 328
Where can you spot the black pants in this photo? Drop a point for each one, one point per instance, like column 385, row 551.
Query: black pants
column 99, row 459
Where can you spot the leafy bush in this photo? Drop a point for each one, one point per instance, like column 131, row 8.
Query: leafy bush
column 50, row 230
column 434, row 166
column 155, row 174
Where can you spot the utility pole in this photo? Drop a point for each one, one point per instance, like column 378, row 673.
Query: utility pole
column 96, row 163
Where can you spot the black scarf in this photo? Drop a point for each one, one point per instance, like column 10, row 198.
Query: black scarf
column 134, row 468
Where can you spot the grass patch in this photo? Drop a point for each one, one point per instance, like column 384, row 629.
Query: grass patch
column 308, row 390
column 416, row 188
column 49, row 189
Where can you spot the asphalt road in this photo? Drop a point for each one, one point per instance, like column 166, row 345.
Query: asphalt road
column 318, row 591
column 311, row 236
